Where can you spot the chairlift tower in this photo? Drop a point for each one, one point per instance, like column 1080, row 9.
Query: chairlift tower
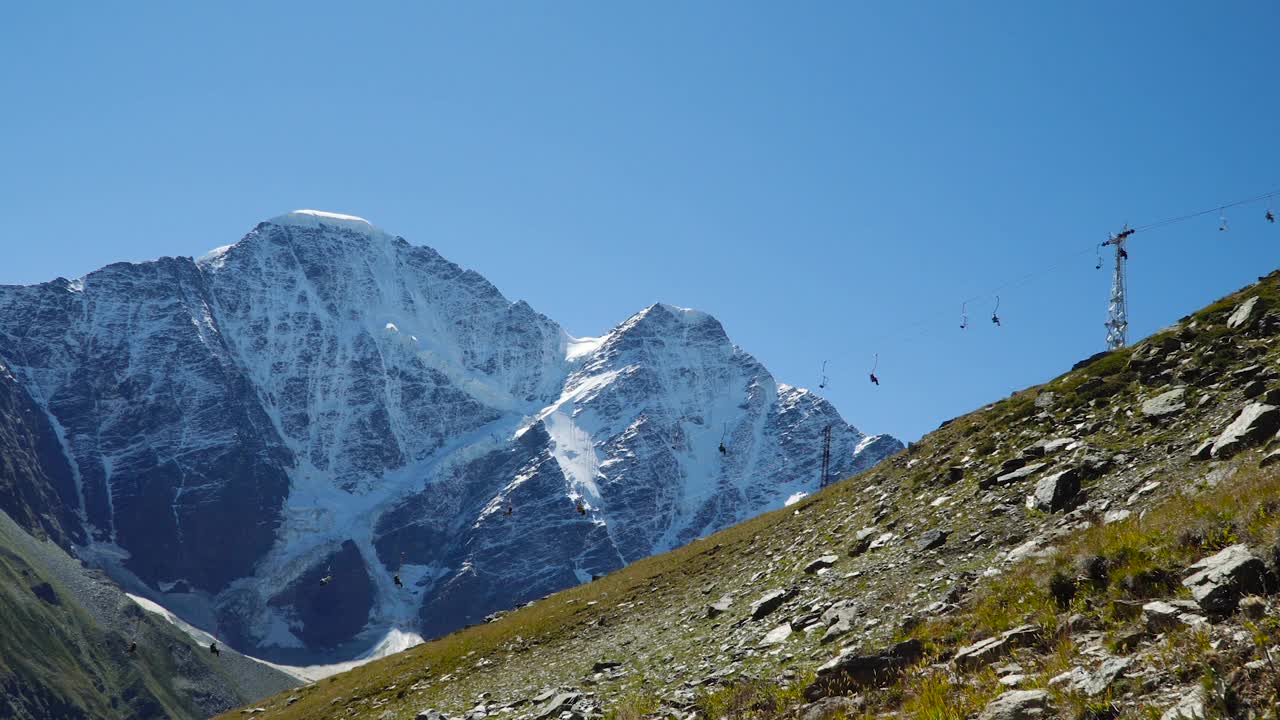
column 826, row 456
column 1118, row 308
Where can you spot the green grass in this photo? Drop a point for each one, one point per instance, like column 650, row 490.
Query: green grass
column 65, row 663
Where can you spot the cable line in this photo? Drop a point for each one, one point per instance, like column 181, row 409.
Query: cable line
column 910, row 331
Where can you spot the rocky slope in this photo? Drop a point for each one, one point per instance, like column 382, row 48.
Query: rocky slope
column 64, row 638
column 322, row 400
column 1101, row 546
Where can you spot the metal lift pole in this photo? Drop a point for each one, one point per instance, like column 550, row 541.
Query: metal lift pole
column 1118, row 307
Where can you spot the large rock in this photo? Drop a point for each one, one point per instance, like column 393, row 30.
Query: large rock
column 1018, row 705
column 1112, row 669
column 852, row 669
column 1161, row 616
column 990, row 649
column 1007, row 478
column 839, row 621
column 776, row 636
column 1189, row 707
column 1219, row 581
column 830, row 707
column 720, row 606
column 1166, row 404
column 1254, row 422
column 557, row 704
column 769, row 602
column 820, row 563
column 1243, row 314
column 1057, row 491
column 862, row 540
column 931, row 539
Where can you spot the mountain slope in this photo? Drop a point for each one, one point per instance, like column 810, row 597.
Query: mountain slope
column 324, row 400
column 63, row 639
column 1080, row 549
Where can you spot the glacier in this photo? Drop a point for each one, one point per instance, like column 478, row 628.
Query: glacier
column 324, row 399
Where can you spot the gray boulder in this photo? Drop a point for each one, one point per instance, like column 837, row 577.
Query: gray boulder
column 1219, row 581
column 1112, row 669
column 1243, row 314
column 852, row 669
column 1057, row 444
column 720, row 606
column 1254, row 422
column 1057, row 491
column 862, row 540
column 821, row 563
column 839, row 621
column 829, row 707
column 990, row 649
column 557, row 704
column 1021, row 473
column 1166, row 404
column 769, row 602
column 1018, row 705
column 932, row 539
column 1270, row 458
column 1160, row 616
column 1189, row 707
column 776, row 636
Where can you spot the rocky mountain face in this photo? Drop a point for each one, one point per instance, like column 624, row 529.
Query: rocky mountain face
column 37, row 488
column 321, row 432
column 1105, row 545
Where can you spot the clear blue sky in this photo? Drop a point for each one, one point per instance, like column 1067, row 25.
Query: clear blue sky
column 818, row 175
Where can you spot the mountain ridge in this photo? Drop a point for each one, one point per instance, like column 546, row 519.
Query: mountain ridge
column 322, row 393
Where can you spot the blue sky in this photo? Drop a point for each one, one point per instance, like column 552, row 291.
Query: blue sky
column 830, row 179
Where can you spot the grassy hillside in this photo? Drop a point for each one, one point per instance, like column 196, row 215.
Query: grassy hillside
column 900, row 571
column 63, row 639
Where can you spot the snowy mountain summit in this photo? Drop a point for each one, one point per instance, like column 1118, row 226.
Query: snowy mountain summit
column 322, row 434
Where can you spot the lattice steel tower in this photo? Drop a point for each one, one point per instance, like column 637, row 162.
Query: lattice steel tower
column 1118, row 308
column 826, row 457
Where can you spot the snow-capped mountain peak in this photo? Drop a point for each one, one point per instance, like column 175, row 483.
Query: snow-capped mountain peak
column 320, row 218
column 323, row 399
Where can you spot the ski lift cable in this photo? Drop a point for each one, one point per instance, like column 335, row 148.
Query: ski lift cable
column 1201, row 213
column 914, row 329
column 1092, row 248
